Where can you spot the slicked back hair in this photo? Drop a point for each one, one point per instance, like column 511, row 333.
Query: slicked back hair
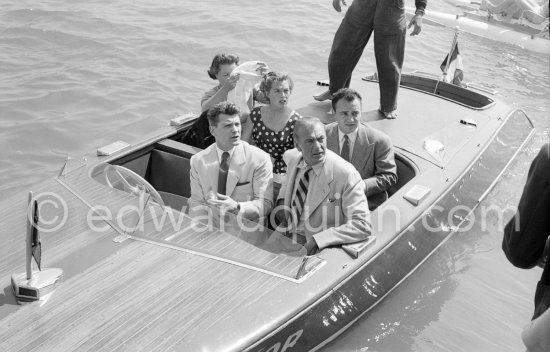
column 347, row 94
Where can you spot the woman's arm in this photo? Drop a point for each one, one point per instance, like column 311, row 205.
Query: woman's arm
column 217, row 95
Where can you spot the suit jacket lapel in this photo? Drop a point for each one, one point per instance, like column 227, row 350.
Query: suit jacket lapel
column 212, row 168
column 332, row 139
column 318, row 191
column 238, row 160
column 361, row 149
column 291, row 180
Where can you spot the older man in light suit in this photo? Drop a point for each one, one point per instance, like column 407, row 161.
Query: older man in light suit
column 230, row 174
column 368, row 149
column 324, row 194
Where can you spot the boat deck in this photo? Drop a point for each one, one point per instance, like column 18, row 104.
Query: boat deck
column 115, row 295
column 141, row 296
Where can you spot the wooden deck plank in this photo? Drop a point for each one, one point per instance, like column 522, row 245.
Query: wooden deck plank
column 118, row 286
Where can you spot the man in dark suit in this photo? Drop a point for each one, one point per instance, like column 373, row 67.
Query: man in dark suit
column 368, row 149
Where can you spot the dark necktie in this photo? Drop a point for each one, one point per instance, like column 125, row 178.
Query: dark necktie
column 222, row 177
column 300, row 195
column 345, row 148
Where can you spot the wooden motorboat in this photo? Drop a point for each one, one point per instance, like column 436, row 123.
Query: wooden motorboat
column 472, row 19
column 175, row 287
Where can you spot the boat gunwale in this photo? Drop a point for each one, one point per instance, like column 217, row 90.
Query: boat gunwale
column 512, row 158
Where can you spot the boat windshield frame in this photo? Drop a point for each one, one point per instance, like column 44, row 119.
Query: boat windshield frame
column 129, row 206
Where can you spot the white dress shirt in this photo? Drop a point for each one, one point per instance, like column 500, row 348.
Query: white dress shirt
column 220, row 153
column 352, row 137
column 313, row 176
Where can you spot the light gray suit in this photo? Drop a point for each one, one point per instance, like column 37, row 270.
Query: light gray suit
column 249, row 180
column 372, row 156
column 336, row 209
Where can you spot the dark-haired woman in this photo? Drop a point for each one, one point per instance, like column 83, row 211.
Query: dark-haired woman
column 273, row 124
column 220, row 70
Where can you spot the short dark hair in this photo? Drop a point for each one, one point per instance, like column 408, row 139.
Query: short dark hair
column 221, row 59
column 304, row 122
column 271, row 77
column 224, row 107
column 345, row 93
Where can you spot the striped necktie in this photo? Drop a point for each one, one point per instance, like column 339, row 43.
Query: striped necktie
column 222, row 177
column 345, row 148
column 301, row 194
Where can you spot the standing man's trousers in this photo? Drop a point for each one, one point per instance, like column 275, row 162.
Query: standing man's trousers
column 387, row 19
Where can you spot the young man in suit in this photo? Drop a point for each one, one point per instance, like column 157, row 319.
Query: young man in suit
column 324, row 194
column 368, row 149
column 230, row 174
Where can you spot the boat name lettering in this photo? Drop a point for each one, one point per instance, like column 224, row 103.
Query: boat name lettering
column 290, row 342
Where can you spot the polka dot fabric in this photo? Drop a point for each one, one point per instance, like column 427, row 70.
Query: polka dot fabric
column 276, row 143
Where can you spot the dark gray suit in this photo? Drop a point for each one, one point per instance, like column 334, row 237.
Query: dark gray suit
column 373, row 157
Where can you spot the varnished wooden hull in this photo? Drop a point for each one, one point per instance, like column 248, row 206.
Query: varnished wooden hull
column 142, row 296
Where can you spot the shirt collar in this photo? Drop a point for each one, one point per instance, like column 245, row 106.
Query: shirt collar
column 352, row 136
column 316, row 168
column 220, row 152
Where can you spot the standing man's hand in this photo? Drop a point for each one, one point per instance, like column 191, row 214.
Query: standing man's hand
column 336, row 4
column 416, row 21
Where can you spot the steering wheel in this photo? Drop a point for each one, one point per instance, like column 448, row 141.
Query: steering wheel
column 130, row 181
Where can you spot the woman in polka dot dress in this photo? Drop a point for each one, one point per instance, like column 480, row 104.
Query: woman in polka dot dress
column 273, row 124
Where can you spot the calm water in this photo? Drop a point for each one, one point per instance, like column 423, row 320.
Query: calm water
column 74, row 72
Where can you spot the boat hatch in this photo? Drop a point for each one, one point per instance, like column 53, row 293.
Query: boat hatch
column 430, row 84
column 447, row 91
column 442, row 142
column 120, row 199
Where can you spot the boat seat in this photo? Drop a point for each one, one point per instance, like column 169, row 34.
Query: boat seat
column 169, row 167
column 406, row 171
